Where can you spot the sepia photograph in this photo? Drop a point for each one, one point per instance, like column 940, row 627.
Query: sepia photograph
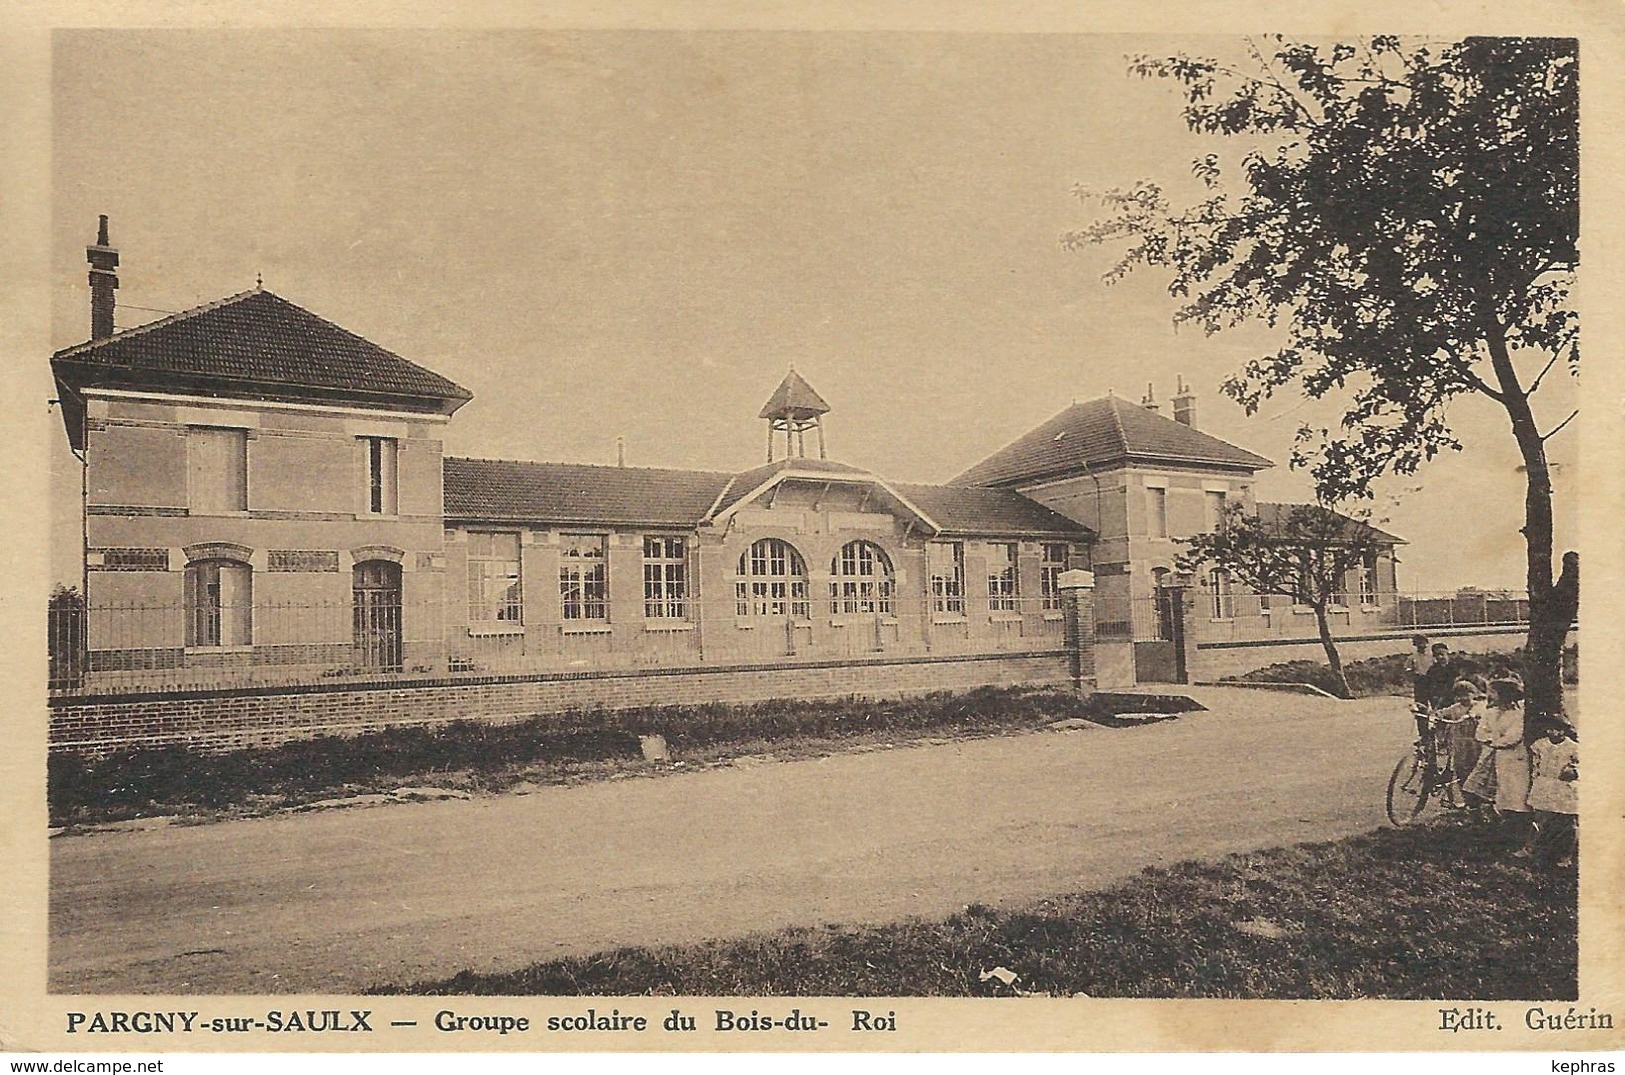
column 552, row 526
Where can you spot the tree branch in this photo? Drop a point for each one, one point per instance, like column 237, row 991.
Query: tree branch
column 1291, row 97
column 1560, row 426
column 1542, row 376
column 1478, row 383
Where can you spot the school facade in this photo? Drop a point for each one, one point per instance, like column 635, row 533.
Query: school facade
column 269, row 515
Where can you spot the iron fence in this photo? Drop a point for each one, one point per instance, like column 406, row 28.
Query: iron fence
column 134, row 646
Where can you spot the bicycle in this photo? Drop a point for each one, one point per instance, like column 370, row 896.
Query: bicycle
column 1426, row 774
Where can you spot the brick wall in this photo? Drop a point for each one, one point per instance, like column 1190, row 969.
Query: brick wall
column 225, row 719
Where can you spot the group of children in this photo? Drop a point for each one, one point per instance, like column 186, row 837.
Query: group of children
column 1526, row 775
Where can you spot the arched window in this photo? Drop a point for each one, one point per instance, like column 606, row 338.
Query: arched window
column 219, row 603
column 772, row 581
column 860, row 581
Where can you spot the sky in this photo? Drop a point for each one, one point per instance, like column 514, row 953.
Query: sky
column 633, row 234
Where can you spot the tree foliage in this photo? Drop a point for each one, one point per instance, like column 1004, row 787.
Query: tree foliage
column 1305, row 554
column 1408, row 219
column 1420, row 210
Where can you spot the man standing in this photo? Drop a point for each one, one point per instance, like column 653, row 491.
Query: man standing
column 1438, row 680
column 1421, row 661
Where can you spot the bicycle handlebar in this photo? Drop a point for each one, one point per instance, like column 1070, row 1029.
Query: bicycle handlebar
column 1423, row 710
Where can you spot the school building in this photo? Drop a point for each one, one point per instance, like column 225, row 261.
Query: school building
column 276, row 544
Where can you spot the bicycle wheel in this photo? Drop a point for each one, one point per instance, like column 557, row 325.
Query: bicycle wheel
column 1408, row 790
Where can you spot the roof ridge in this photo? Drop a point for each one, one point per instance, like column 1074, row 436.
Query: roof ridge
column 558, row 463
column 717, row 500
column 362, row 339
column 1117, row 423
column 171, row 319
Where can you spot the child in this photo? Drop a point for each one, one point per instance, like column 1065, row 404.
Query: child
column 1554, row 771
column 1502, row 772
column 1458, row 734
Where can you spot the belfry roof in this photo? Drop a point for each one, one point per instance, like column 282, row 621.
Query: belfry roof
column 794, row 398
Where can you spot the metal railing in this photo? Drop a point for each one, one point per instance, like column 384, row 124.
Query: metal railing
column 127, row 646
column 124, row 645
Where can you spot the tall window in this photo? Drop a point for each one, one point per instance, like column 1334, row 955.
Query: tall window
column 665, row 578
column 219, row 603
column 773, row 581
column 583, row 577
column 946, row 562
column 1303, row 584
column 217, row 469
column 1156, row 505
column 1368, row 578
column 495, row 596
column 383, row 481
column 1163, row 598
column 1049, row 574
column 861, row 581
column 1224, row 603
column 1214, row 502
column 1002, row 577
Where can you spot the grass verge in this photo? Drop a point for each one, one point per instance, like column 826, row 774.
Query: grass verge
column 1432, row 912
column 478, row 757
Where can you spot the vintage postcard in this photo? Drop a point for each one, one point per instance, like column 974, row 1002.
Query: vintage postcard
column 615, row 528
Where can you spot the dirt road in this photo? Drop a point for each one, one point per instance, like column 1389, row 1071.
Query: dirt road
column 338, row 901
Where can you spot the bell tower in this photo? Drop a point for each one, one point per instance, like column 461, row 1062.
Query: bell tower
column 793, row 409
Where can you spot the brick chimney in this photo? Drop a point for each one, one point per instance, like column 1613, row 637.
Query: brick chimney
column 1184, row 405
column 1150, row 400
column 103, row 282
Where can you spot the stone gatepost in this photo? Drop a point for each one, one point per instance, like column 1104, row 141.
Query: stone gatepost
column 1078, row 612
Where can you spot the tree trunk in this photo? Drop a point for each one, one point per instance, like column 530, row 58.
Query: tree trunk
column 1548, row 622
column 1323, row 621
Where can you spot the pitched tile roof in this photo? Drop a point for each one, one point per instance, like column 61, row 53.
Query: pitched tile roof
column 1103, row 432
column 498, row 490
column 261, row 346
column 794, row 398
column 748, row 481
column 972, row 510
column 1276, row 515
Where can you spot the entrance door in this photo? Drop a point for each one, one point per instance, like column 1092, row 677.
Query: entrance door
column 861, row 589
column 1159, row 652
column 772, row 587
column 376, row 585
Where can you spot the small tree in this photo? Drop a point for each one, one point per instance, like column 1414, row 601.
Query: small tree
column 1305, row 555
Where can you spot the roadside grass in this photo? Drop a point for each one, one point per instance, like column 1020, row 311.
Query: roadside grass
column 1391, row 674
column 478, row 757
column 1432, row 912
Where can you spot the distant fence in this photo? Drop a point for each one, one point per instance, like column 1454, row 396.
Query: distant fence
column 1149, row 618
column 1464, row 608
